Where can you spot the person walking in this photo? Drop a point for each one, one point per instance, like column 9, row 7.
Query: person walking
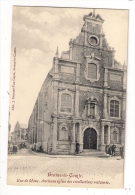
column 11, row 148
column 14, row 149
column 113, row 149
column 122, row 152
column 77, row 147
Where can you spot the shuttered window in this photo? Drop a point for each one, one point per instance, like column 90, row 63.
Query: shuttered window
column 66, row 103
column 114, row 108
column 92, row 71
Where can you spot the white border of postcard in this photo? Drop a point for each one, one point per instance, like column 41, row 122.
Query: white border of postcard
column 5, row 32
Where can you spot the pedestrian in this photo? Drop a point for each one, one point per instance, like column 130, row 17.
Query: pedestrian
column 13, row 149
column 77, row 147
column 122, row 152
column 40, row 148
column 113, row 149
column 109, row 150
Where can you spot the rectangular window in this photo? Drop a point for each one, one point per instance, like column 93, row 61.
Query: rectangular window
column 114, row 108
column 66, row 103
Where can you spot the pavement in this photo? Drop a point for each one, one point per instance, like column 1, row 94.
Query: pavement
column 45, row 169
column 29, row 152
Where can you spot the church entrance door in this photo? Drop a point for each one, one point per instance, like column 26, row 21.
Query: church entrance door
column 90, row 139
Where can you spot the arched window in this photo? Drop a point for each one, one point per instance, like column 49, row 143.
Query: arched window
column 66, row 103
column 114, row 108
column 92, row 71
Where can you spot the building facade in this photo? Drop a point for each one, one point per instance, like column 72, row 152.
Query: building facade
column 20, row 133
column 83, row 97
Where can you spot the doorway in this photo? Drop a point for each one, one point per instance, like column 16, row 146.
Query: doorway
column 90, row 139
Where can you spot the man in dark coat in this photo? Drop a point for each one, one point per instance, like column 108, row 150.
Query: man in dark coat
column 14, row 149
column 113, row 149
column 77, row 147
column 110, row 150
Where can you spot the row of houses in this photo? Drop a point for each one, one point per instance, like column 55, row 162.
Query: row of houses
column 19, row 135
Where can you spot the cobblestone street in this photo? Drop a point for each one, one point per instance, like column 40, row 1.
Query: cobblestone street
column 28, row 168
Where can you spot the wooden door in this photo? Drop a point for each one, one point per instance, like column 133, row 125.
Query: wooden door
column 90, row 139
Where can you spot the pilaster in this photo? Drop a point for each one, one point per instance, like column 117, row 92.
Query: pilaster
column 106, row 77
column 108, row 136
column 102, row 138
column 71, row 49
column 78, row 73
column 73, row 143
column 105, row 105
column 54, row 143
column 80, row 137
column 77, row 101
column 55, row 97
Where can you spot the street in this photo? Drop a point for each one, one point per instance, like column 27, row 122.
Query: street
column 29, row 168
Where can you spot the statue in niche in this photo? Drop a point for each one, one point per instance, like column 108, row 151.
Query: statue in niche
column 90, row 108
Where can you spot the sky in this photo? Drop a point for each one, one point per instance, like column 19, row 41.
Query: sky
column 36, row 33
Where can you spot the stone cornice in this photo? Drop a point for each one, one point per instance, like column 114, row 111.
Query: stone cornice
column 70, row 61
column 113, row 68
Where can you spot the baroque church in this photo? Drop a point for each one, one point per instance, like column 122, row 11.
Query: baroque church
column 83, row 97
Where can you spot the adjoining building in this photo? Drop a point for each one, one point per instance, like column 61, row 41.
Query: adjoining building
column 83, row 97
column 20, row 133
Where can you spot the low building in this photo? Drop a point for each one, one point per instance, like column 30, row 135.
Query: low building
column 83, row 97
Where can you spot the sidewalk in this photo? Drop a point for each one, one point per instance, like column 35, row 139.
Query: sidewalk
column 71, row 156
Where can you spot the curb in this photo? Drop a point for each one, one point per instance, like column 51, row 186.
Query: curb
column 68, row 156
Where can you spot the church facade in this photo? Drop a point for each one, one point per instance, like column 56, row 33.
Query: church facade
column 83, row 97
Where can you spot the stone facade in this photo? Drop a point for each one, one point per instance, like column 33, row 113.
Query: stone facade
column 83, row 97
column 20, row 133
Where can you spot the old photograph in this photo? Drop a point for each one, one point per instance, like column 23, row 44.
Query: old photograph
column 67, row 111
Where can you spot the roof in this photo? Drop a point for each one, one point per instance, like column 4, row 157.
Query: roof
column 92, row 16
column 23, row 126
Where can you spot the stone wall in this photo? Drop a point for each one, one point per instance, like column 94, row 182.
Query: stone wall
column 115, row 79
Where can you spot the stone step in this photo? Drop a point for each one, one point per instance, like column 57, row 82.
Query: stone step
column 93, row 153
column 63, row 152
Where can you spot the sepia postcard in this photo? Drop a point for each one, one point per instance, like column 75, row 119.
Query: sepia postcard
column 67, row 112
